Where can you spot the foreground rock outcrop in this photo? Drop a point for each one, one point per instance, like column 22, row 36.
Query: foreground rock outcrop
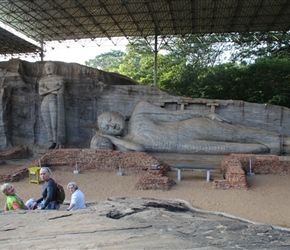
column 131, row 223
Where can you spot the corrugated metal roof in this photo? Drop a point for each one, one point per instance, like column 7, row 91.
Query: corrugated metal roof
column 50, row 20
column 11, row 44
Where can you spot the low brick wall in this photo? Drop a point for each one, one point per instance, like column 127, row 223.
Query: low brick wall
column 236, row 166
column 20, row 152
column 14, row 176
column 102, row 160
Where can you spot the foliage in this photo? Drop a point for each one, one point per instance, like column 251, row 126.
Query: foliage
column 109, row 61
column 252, row 45
column 138, row 62
column 220, row 82
column 270, row 78
column 265, row 81
column 252, row 66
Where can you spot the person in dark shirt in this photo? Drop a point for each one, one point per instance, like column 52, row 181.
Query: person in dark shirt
column 47, row 201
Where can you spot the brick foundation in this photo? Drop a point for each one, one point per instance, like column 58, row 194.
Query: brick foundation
column 154, row 182
column 236, row 166
column 20, row 152
column 101, row 160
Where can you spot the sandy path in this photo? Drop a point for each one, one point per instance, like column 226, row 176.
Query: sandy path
column 266, row 201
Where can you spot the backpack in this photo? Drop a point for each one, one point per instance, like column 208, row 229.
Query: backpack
column 60, row 194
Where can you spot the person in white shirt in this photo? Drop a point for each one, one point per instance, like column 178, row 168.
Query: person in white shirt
column 77, row 197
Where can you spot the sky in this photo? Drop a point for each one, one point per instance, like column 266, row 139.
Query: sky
column 75, row 52
column 70, row 51
column 82, row 51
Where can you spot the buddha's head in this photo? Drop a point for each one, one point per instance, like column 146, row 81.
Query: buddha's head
column 111, row 123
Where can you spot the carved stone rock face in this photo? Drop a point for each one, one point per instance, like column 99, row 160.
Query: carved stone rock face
column 100, row 142
column 111, row 123
column 52, row 88
column 29, row 117
column 155, row 129
column 89, row 92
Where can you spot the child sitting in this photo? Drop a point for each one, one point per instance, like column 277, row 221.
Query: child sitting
column 13, row 201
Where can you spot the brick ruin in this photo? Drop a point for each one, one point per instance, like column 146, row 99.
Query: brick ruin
column 16, row 153
column 235, row 168
column 101, row 160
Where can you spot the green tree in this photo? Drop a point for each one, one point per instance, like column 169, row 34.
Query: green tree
column 109, row 61
column 198, row 50
column 193, row 66
column 187, row 58
column 249, row 46
column 224, row 81
column 138, row 63
column 270, row 78
column 265, row 81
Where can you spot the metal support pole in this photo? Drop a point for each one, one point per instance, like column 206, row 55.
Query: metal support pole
column 179, row 174
column 207, row 175
column 41, row 52
column 155, row 61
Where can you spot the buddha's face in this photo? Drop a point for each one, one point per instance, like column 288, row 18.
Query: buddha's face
column 50, row 68
column 111, row 123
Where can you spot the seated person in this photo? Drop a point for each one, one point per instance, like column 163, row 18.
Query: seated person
column 77, row 197
column 13, row 201
column 47, row 201
column 155, row 129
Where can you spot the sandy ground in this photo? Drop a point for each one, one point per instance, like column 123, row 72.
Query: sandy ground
column 266, row 201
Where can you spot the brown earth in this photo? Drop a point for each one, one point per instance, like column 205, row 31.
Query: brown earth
column 266, row 201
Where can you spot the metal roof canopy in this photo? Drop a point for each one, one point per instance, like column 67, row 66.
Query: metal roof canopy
column 60, row 20
column 50, row 20
column 12, row 44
